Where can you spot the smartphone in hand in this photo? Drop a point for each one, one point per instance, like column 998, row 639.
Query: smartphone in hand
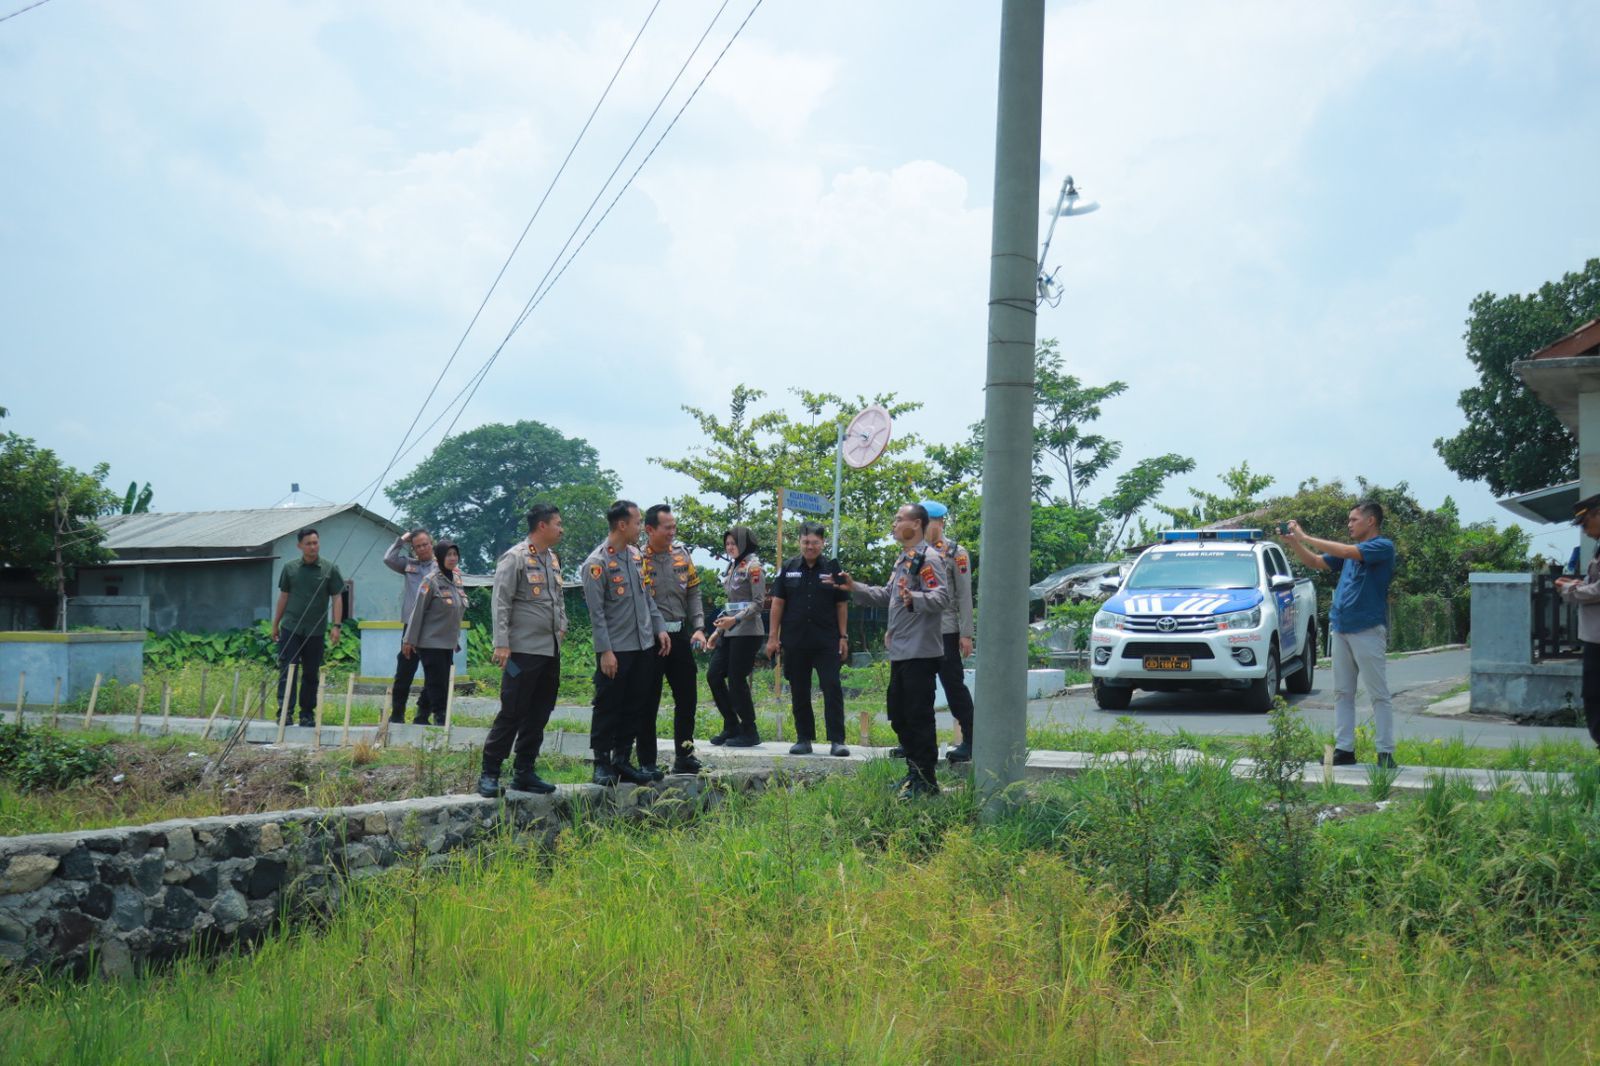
column 1283, row 529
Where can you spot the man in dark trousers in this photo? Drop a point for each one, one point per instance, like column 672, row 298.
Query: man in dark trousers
column 1585, row 592
column 628, row 630
column 916, row 595
column 808, row 621
column 305, row 588
column 675, row 585
column 415, row 569
column 530, row 622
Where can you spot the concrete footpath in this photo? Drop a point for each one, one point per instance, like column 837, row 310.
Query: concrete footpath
column 1041, row 764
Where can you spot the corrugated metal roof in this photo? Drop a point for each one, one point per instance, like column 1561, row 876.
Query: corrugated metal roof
column 219, row 529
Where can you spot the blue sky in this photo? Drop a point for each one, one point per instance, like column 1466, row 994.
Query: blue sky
column 240, row 240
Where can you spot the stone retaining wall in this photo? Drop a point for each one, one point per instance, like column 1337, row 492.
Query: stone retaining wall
column 116, row 900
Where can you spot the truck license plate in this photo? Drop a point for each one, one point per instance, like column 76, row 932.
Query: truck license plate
column 1166, row 662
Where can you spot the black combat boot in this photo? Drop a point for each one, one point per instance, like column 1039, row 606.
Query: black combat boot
column 686, row 764
column 489, row 785
column 527, row 779
column 604, row 772
column 626, row 771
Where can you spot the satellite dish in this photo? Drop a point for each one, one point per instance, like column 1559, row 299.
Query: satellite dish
column 867, row 436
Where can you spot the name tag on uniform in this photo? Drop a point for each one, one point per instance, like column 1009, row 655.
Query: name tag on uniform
column 735, row 608
column 674, row 627
column 793, row 573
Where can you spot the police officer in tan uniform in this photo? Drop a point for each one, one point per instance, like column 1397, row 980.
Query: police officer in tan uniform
column 1585, row 592
column 675, row 585
column 530, row 622
column 916, row 595
column 628, row 631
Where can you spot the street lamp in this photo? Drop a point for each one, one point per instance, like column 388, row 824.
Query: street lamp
column 1068, row 205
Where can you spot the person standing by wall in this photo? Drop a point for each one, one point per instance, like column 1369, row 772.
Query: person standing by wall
column 916, row 596
column 738, row 637
column 530, row 622
column 955, row 629
column 808, row 621
column 415, row 570
column 1585, row 592
column 1359, row 623
column 305, row 588
column 628, row 630
column 433, row 632
column 674, row 584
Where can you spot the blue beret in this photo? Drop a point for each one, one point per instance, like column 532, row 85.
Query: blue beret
column 935, row 509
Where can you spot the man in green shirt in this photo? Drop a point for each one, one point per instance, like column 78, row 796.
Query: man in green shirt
column 305, row 588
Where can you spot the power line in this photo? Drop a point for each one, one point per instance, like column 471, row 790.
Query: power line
column 20, row 10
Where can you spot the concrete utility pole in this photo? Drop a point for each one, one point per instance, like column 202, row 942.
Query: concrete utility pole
column 1000, row 747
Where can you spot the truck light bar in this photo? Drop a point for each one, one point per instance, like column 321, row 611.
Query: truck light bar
column 1170, row 536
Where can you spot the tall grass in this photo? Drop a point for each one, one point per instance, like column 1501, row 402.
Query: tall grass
column 837, row 924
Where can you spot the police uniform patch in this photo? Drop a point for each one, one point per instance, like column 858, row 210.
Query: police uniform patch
column 621, row 590
column 961, row 561
column 594, row 570
column 930, row 577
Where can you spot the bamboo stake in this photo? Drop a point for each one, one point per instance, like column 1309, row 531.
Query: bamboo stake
column 449, row 704
column 166, row 708
column 1327, row 765
column 94, row 696
column 138, row 713
column 866, row 728
column 55, row 707
column 220, row 701
column 316, row 715
column 288, row 693
column 22, row 687
column 349, row 694
column 262, row 701
column 200, row 705
column 233, row 696
column 384, row 717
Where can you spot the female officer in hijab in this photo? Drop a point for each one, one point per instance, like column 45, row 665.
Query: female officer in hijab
column 740, row 631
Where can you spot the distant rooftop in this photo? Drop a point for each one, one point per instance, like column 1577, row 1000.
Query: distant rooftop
column 255, row 528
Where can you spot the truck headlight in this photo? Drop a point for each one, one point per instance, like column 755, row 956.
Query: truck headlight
column 1241, row 619
column 1110, row 620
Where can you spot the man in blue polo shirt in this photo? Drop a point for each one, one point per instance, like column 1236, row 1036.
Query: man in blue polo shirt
column 1359, row 621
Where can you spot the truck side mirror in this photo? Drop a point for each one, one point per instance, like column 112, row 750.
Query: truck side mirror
column 1280, row 582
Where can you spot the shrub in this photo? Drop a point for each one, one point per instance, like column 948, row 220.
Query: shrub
column 41, row 758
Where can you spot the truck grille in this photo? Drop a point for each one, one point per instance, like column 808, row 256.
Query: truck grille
column 1182, row 623
column 1194, row 649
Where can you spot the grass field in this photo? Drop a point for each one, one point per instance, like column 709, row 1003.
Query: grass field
column 1147, row 913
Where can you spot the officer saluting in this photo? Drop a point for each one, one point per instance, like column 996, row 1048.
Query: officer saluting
column 674, row 584
column 1585, row 592
column 916, row 595
column 956, row 629
column 628, row 630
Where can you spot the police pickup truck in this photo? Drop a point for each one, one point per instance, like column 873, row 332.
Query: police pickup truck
column 1205, row 609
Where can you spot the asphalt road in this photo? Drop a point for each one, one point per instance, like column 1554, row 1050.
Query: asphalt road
column 1415, row 683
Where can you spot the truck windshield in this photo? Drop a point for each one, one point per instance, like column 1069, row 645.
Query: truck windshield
column 1195, row 570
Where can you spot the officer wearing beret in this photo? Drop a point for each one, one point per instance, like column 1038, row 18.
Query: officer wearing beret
column 956, row 628
column 1585, row 592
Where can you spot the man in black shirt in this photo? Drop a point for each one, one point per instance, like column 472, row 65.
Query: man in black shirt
column 808, row 620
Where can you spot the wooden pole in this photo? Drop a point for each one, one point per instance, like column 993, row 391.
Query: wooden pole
column 22, row 688
column 383, row 717
column 138, row 713
column 94, row 696
column 288, row 694
column 449, row 704
column 349, row 694
column 200, row 704
column 866, row 728
column 1327, row 766
column 166, row 708
column 233, row 696
column 316, row 715
column 263, row 702
column 206, row 735
column 55, row 706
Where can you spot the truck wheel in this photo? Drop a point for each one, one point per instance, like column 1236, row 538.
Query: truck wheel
column 1111, row 699
column 1264, row 689
column 1299, row 682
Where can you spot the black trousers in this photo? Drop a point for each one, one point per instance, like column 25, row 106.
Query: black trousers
column 405, row 672
column 911, row 712
column 676, row 669
column 436, row 663
column 307, row 650
column 527, row 696
column 798, row 663
column 621, row 703
column 728, row 677
column 952, row 675
column 1591, row 689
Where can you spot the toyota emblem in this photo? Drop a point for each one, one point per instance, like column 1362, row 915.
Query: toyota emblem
column 1167, row 625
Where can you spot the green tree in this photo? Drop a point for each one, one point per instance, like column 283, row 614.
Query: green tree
column 475, row 488
column 1243, row 496
column 47, row 524
column 1512, row 441
column 749, row 455
column 137, row 500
